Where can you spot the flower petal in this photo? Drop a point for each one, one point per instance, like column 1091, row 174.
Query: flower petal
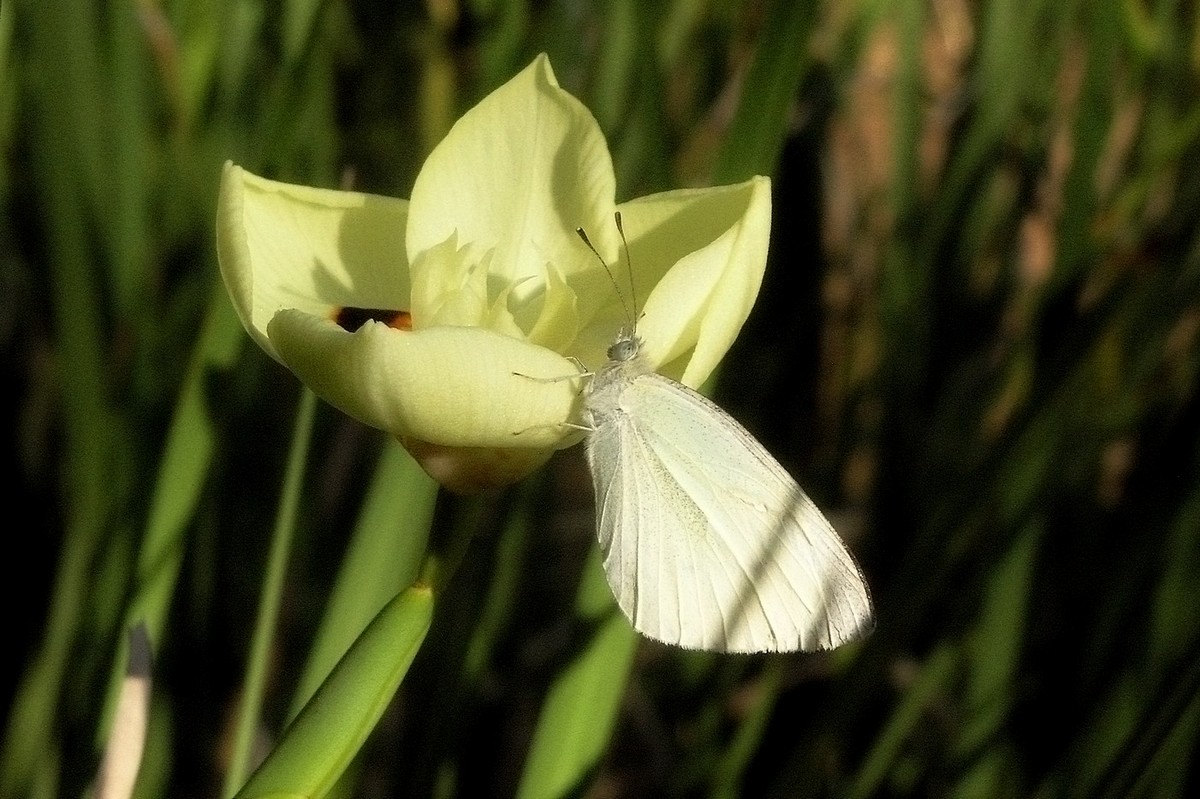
column 287, row 246
column 449, row 286
column 558, row 321
column 715, row 244
column 449, row 386
column 517, row 174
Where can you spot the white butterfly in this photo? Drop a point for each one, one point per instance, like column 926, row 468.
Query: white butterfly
column 708, row 542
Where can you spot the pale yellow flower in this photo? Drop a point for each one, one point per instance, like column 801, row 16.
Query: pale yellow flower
column 456, row 319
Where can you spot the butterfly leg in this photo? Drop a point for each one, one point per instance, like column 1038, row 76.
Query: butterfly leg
column 583, row 372
column 582, row 428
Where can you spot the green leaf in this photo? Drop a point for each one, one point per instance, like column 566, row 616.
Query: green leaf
column 316, row 748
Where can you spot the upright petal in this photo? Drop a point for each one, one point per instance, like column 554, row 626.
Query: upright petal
column 517, row 174
column 698, row 257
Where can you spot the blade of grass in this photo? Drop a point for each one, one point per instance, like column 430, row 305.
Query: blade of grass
column 726, row 781
column 1172, row 711
column 1012, row 55
column 272, row 595
column 933, row 679
column 125, row 168
column 182, row 471
column 299, row 21
column 123, row 752
column 506, row 585
column 1129, row 727
column 91, row 481
column 992, row 660
column 755, row 137
column 10, row 83
column 580, row 711
column 616, row 63
column 1076, row 231
column 905, row 282
column 501, row 47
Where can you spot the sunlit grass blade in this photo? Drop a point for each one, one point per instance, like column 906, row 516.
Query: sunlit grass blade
column 123, row 752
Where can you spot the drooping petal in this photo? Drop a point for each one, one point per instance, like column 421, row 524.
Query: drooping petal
column 287, row 246
column 697, row 258
column 517, row 174
column 448, row 386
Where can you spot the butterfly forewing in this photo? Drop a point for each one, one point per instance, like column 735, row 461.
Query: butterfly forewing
column 708, row 542
column 649, row 573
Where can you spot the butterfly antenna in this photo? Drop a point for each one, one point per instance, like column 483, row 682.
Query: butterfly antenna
column 628, row 265
column 583, row 235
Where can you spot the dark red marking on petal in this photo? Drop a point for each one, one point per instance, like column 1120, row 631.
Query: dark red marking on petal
column 351, row 319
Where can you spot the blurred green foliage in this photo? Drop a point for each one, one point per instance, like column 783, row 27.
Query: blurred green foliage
column 978, row 345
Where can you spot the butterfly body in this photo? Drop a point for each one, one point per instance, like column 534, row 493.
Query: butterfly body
column 708, row 542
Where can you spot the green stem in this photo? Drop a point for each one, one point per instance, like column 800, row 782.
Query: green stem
column 268, row 608
column 443, row 557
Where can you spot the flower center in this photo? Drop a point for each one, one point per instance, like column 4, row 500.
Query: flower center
column 350, row 319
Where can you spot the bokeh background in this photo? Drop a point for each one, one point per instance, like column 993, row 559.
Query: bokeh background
column 977, row 347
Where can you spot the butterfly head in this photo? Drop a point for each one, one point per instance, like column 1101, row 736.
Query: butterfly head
column 625, row 347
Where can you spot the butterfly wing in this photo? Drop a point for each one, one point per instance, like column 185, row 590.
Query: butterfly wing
column 708, row 542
